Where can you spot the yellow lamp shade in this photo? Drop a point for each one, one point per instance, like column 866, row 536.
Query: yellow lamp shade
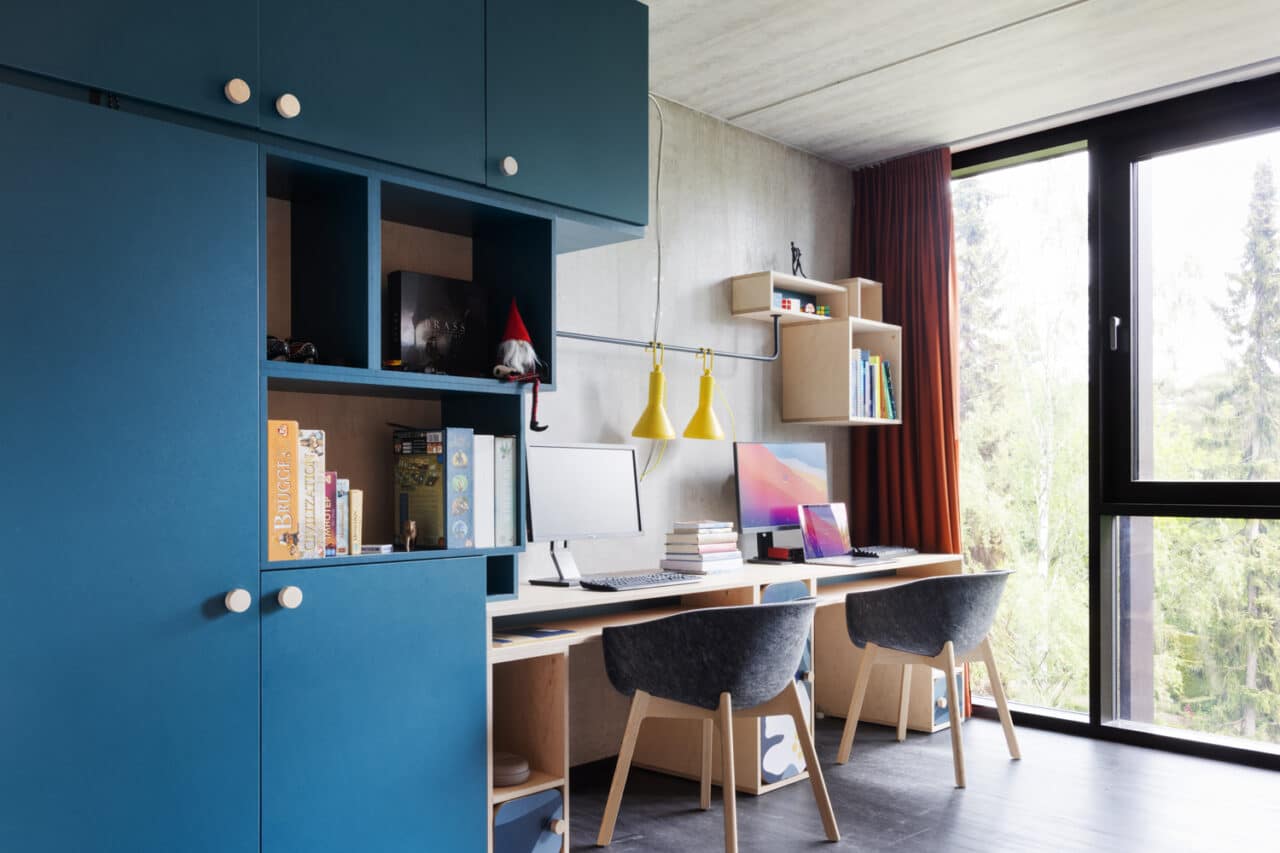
column 704, row 424
column 654, row 422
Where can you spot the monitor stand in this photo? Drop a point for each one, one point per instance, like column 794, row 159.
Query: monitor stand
column 764, row 541
column 566, row 568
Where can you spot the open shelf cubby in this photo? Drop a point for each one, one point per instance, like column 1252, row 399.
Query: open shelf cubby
column 317, row 251
column 530, row 719
column 508, row 256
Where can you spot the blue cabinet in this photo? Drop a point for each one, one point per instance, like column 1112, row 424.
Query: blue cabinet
column 397, row 80
column 177, row 54
column 373, row 708
column 130, row 433
column 566, row 97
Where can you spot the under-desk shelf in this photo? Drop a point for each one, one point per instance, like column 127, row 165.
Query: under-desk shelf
column 537, row 781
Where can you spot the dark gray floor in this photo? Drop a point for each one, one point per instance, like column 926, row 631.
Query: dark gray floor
column 1067, row 793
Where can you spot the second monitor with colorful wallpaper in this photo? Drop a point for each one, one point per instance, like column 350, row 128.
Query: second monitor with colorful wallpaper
column 773, row 478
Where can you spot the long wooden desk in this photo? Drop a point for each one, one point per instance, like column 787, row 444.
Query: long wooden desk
column 551, row 702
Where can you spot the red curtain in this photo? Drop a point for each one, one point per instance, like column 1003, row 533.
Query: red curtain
column 905, row 478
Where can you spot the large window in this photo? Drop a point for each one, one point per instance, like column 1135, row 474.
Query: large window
column 1120, row 417
column 1022, row 258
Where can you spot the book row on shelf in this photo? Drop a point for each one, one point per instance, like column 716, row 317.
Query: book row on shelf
column 871, row 393
column 702, row 548
column 453, row 490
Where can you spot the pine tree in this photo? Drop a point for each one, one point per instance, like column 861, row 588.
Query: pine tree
column 1252, row 318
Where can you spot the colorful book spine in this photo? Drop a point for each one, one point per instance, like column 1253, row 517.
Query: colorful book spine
column 356, row 529
column 330, row 510
column 874, row 377
column 282, row 490
column 504, row 491
column 342, row 517
column 889, row 392
column 435, row 476
column 311, row 463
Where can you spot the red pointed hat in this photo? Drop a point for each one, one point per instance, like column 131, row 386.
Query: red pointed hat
column 515, row 326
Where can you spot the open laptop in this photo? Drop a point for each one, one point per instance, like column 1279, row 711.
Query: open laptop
column 825, row 531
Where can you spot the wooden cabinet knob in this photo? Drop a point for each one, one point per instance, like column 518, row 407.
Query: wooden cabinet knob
column 237, row 91
column 290, row 597
column 509, row 166
column 558, row 826
column 238, row 600
column 288, row 105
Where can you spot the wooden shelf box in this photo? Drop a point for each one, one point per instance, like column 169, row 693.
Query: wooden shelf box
column 753, row 297
column 817, row 369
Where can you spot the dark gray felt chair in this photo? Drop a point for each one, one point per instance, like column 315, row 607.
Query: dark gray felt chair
column 713, row 665
column 939, row 622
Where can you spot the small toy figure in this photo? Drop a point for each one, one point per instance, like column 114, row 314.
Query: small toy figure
column 809, row 308
column 518, row 362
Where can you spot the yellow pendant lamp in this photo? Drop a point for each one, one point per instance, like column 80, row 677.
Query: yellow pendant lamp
column 654, row 422
column 704, row 424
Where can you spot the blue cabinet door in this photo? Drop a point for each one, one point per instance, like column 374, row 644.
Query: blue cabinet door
column 567, row 84
column 176, row 54
column 398, row 80
column 373, row 708
column 129, row 427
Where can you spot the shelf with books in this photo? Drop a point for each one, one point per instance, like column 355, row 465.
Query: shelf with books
column 361, row 441
column 842, row 373
column 391, row 557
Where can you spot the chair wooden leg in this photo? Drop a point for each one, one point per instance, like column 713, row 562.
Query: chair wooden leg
column 904, row 702
column 1002, row 705
column 639, row 704
column 855, row 703
column 708, row 731
column 798, row 698
column 955, row 711
column 727, row 779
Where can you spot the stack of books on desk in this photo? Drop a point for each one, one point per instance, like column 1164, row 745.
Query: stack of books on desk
column 702, row 548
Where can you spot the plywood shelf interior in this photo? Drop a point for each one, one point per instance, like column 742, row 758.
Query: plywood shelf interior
column 817, row 369
column 537, row 781
column 753, row 297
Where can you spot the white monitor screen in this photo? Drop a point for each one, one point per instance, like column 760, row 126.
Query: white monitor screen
column 584, row 491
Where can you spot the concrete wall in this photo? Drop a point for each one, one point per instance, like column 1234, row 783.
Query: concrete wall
column 731, row 203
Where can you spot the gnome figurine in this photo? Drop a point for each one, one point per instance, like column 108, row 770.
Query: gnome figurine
column 517, row 360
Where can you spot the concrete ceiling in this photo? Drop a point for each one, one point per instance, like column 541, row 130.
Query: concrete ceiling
column 859, row 81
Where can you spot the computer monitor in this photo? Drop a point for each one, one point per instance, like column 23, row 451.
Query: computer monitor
column 773, row 478
column 580, row 491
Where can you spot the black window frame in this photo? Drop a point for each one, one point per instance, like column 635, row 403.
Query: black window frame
column 1115, row 143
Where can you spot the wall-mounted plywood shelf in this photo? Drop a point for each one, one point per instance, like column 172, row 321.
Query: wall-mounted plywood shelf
column 820, row 355
column 755, row 297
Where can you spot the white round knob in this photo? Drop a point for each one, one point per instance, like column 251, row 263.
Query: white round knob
column 558, row 826
column 238, row 600
column 942, row 702
column 288, row 105
column 509, row 166
column 237, row 91
column 289, row 597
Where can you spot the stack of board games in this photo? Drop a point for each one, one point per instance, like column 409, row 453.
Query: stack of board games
column 702, row 548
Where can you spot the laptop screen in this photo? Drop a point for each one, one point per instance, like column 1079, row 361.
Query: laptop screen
column 825, row 529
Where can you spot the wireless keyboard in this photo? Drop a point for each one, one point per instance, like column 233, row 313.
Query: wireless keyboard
column 618, row 583
column 883, row 552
